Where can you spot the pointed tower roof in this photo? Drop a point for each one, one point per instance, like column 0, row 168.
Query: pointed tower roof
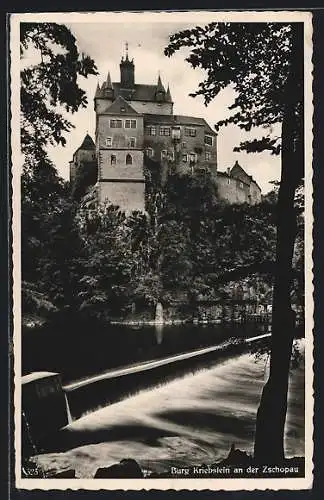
column 108, row 81
column 97, row 94
column 87, row 143
column 168, row 95
column 159, row 87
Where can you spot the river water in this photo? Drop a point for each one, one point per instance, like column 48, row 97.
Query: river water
column 191, row 420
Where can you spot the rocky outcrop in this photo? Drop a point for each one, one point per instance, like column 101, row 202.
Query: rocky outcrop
column 127, row 468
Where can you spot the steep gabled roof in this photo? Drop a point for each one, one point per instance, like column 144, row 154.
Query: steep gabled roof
column 140, row 92
column 120, row 106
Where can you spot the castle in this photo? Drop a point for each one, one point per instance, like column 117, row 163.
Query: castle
column 135, row 130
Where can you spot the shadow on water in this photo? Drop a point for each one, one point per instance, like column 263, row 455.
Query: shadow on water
column 78, row 351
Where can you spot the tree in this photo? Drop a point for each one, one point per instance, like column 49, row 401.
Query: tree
column 51, row 67
column 49, row 88
column 109, row 263
column 263, row 62
column 51, row 246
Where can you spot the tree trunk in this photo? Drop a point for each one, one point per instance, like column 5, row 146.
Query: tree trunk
column 271, row 416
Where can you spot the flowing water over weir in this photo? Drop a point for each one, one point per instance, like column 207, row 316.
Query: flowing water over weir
column 192, row 419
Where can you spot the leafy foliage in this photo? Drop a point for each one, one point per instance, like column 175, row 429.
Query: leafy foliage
column 252, row 58
column 50, row 243
column 49, row 88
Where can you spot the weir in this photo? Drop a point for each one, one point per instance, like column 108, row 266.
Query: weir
column 75, row 399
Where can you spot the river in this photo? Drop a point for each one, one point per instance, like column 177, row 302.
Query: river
column 191, row 420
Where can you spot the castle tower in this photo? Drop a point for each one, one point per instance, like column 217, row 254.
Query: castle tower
column 119, row 142
column 127, row 72
column 85, row 154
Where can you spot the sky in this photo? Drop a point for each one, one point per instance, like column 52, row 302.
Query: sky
column 105, row 43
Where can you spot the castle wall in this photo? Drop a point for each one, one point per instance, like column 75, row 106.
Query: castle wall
column 120, row 170
column 128, row 195
column 255, row 193
column 80, row 156
column 185, row 146
column 231, row 190
column 120, row 136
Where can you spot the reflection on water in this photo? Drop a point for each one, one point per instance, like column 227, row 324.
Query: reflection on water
column 191, row 420
column 159, row 333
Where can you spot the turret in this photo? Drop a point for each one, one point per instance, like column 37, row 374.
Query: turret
column 168, row 97
column 109, row 92
column 127, row 72
column 160, row 91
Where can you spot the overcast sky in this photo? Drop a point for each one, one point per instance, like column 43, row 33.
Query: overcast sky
column 105, row 43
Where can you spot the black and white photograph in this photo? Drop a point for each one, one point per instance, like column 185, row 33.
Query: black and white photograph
column 162, row 250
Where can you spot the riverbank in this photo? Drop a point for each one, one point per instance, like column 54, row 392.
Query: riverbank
column 191, row 420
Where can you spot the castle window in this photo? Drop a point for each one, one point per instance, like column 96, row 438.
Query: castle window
column 190, row 132
column 176, row 133
column 171, row 155
column 184, row 144
column 228, row 181
column 150, row 152
column 108, row 141
column 130, row 123
column 164, row 154
column 241, row 184
column 132, row 142
column 151, row 130
column 184, row 158
column 129, row 159
column 209, row 140
column 193, row 157
column 116, row 123
column 113, row 160
column 207, row 155
column 165, row 131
